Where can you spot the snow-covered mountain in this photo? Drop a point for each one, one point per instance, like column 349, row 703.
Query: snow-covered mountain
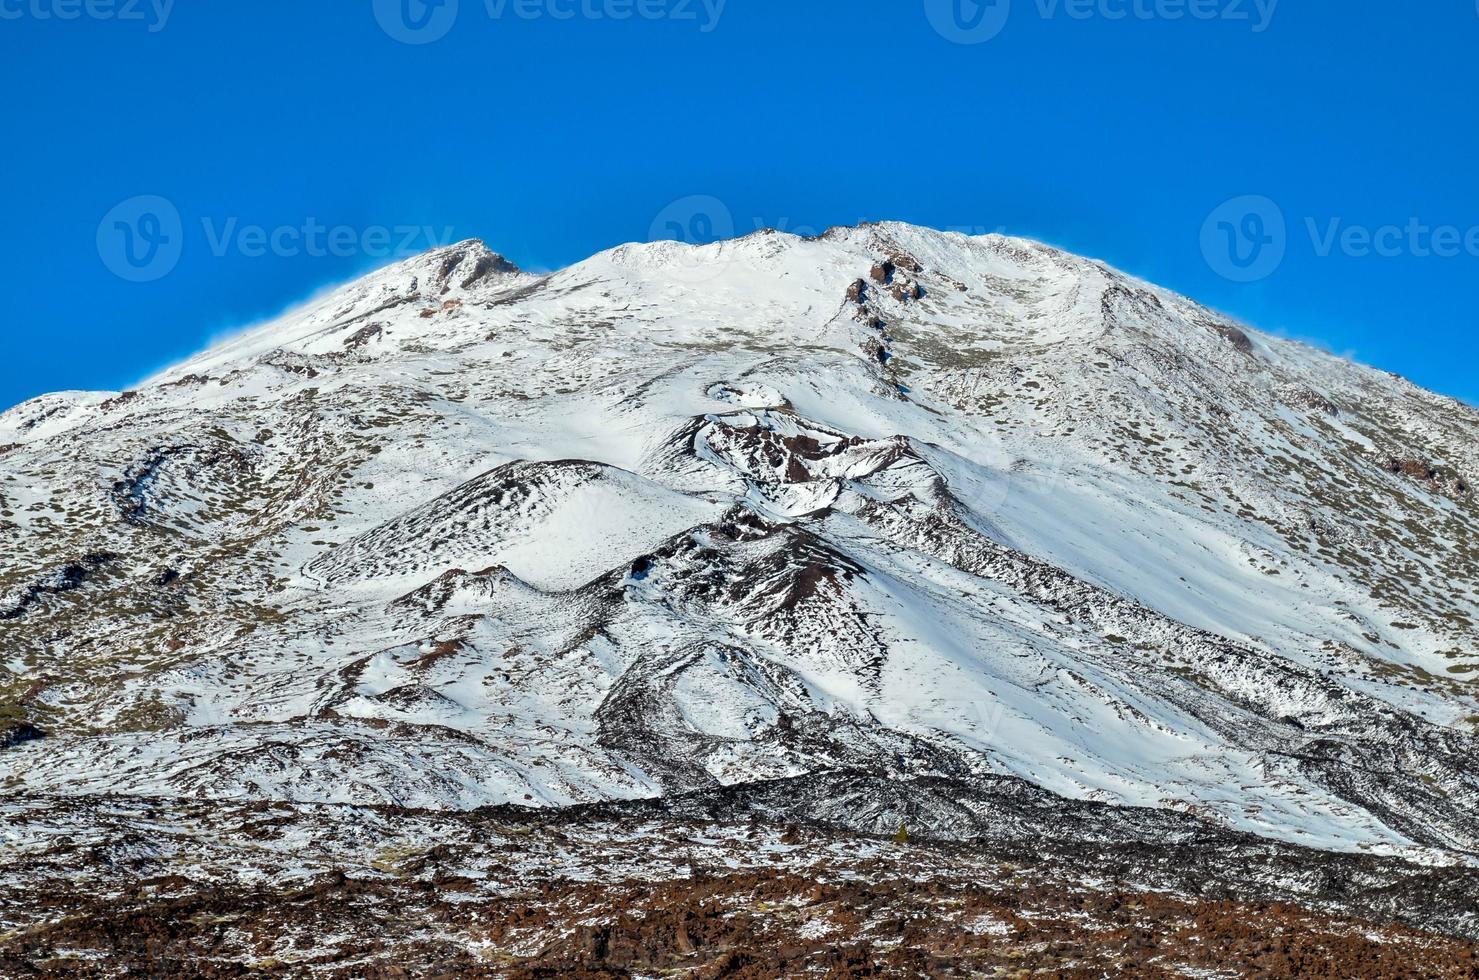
column 933, row 522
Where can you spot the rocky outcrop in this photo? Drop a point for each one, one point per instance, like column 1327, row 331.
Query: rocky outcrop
column 18, row 733
column 67, row 578
column 1422, row 471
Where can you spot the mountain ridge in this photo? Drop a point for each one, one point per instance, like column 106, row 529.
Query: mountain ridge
column 911, row 502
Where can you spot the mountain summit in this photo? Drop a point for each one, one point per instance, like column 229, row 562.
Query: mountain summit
column 885, row 527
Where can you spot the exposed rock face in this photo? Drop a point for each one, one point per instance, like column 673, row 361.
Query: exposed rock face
column 17, row 733
column 71, row 575
column 1236, row 337
column 473, row 263
column 907, row 290
column 1313, row 400
column 886, row 528
column 1417, row 469
column 364, row 335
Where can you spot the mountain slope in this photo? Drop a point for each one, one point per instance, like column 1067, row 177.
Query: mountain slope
column 934, row 509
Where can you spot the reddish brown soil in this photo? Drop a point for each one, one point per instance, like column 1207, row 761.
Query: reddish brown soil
column 749, row 925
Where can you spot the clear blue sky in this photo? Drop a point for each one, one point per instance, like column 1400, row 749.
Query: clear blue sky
column 552, row 134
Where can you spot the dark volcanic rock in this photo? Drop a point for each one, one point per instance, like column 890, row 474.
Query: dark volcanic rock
column 18, row 733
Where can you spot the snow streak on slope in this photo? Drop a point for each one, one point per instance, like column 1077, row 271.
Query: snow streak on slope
column 932, row 508
column 556, row 524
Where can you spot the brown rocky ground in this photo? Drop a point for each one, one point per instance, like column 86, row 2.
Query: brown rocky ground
column 730, row 925
column 118, row 889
